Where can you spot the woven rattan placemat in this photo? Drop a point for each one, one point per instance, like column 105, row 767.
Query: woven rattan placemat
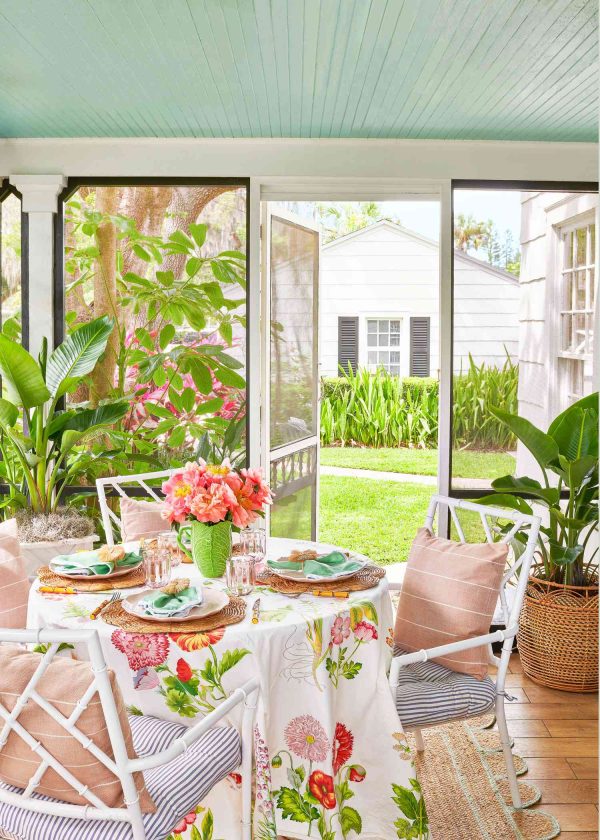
column 366, row 578
column 135, row 578
column 232, row 613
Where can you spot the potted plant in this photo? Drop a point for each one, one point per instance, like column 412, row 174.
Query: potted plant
column 39, row 439
column 206, row 501
column 558, row 631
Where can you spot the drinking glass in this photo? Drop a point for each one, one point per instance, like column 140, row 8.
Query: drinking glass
column 240, row 574
column 157, row 563
column 253, row 542
column 167, row 541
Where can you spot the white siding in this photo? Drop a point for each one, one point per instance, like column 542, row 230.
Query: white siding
column 386, row 271
column 540, row 385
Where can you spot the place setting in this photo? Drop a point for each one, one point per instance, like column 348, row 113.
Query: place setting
column 333, row 574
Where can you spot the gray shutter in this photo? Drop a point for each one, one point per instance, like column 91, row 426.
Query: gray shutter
column 419, row 346
column 348, row 343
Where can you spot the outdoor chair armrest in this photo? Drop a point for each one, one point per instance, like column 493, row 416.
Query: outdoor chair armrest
column 442, row 650
column 246, row 693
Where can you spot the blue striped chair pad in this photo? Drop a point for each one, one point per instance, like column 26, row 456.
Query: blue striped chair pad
column 428, row 693
column 176, row 788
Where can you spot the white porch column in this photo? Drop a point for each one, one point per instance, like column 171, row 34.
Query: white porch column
column 39, row 200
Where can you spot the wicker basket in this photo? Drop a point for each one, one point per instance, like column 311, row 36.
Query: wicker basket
column 558, row 635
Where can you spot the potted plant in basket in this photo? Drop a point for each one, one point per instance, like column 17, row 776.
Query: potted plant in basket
column 207, row 501
column 558, row 632
column 39, row 439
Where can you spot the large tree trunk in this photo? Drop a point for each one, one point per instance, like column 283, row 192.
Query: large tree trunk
column 105, row 292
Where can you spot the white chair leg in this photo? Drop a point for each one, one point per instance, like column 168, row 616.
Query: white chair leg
column 419, row 740
column 506, row 749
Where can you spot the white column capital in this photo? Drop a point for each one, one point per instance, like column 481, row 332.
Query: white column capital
column 39, row 192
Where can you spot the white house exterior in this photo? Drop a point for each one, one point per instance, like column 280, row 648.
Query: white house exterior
column 379, row 292
column 557, row 305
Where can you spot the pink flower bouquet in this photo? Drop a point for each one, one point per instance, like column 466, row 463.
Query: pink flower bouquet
column 206, row 501
column 209, row 493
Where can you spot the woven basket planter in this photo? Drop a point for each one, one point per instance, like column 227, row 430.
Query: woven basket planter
column 558, row 635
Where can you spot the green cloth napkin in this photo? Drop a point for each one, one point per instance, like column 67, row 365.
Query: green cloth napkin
column 159, row 603
column 325, row 566
column 88, row 564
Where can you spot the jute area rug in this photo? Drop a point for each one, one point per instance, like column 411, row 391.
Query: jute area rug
column 463, row 779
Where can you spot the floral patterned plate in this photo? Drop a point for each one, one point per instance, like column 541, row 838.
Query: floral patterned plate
column 213, row 601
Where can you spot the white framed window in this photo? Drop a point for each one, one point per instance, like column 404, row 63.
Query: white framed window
column 577, row 293
column 383, row 344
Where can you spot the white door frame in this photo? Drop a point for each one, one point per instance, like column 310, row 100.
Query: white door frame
column 352, row 189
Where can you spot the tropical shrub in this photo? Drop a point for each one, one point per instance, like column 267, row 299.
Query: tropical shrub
column 474, row 425
column 568, row 454
column 41, row 442
column 173, row 354
column 378, row 409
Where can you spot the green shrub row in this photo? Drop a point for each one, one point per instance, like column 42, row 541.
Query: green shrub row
column 377, row 409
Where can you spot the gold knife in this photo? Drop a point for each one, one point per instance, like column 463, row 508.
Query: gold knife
column 256, row 611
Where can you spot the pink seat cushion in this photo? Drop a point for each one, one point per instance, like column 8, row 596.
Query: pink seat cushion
column 449, row 593
column 140, row 518
column 14, row 583
column 63, row 684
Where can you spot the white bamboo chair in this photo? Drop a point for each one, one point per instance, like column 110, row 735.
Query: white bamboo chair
column 119, row 483
column 478, row 697
column 179, row 767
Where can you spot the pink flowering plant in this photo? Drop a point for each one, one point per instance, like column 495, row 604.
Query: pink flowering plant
column 348, row 633
column 210, row 493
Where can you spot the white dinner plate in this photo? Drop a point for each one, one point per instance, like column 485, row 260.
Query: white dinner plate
column 298, row 574
column 114, row 574
column 213, row 600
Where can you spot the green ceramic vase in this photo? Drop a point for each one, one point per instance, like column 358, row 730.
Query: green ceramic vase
column 209, row 546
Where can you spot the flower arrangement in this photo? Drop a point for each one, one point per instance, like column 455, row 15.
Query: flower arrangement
column 212, row 493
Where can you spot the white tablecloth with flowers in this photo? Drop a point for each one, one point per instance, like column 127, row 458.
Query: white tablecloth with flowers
column 331, row 760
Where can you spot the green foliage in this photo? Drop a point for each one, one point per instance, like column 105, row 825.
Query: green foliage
column 175, row 318
column 41, row 444
column 569, row 450
column 381, row 410
column 474, row 425
column 414, row 822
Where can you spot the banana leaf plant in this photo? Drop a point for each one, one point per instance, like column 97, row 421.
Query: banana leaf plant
column 567, row 455
column 39, row 438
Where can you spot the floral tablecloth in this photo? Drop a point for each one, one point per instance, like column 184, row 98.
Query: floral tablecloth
column 331, row 759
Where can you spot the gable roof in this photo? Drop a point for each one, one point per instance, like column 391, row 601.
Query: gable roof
column 459, row 256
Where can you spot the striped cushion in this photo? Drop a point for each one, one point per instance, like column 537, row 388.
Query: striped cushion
column 449, row 594
column 176, row 788
column 14, row 583
column 429, row 693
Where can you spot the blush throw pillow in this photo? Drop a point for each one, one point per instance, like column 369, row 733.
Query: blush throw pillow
column 449, row 593
column 63, row 684
column 140, row 519
column 14, row 583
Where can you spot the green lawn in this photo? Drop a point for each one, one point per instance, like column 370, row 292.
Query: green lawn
column 419, row 461
column 378, row 518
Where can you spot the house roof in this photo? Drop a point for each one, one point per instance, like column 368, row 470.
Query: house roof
column 459, row 256
column 510, row 70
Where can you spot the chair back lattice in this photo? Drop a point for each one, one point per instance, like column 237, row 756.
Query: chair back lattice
column 117, row 763
column 120, row 483
column 521, row 536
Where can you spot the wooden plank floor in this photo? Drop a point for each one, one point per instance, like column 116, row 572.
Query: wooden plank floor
column 556, row 732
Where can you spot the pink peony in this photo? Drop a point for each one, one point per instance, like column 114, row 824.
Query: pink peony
column 340, row 630
column 365, row 632
column 306, row 738
column 141, row 649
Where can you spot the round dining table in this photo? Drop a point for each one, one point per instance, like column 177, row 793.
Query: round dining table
column 331, row 760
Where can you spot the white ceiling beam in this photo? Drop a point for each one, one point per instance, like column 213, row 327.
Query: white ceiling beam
column 273, row 159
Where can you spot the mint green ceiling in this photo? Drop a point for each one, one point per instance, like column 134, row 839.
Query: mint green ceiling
column 465, row 69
